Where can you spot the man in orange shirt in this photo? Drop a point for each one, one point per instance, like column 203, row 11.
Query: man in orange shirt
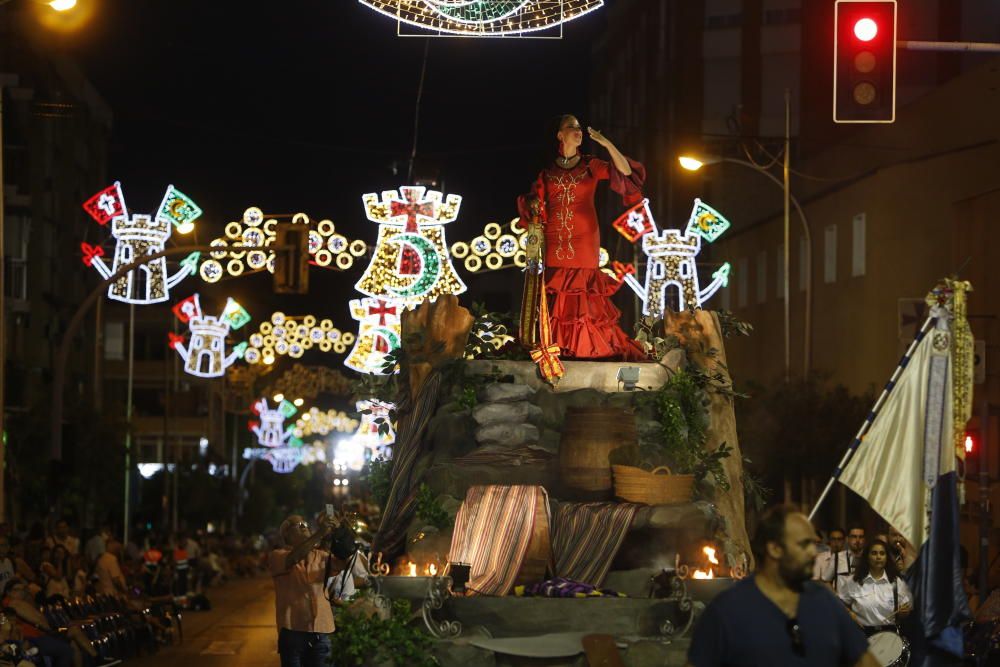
column 303, row 612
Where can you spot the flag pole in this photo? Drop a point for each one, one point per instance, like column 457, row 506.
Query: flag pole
column 890, row 385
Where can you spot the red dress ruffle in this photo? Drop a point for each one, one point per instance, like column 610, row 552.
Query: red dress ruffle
column 584, row 321
column 583, row 318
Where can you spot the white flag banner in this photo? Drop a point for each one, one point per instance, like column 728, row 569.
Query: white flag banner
column 909, row 445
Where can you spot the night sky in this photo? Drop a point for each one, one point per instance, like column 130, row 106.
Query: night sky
column 304, row 105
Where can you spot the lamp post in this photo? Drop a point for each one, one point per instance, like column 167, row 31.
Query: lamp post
column 692, row 163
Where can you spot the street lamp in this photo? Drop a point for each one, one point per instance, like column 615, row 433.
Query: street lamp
column 693, row 163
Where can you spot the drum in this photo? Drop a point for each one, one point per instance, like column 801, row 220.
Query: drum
column 890, row 649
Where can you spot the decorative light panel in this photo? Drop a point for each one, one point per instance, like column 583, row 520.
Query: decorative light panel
column 410, row 261
column 205, row 354
column 255, row 234
column 379, row 332
column 670, row 259
column 283, row 335
column 484, row 18
column 322, row 422
column 139, row 235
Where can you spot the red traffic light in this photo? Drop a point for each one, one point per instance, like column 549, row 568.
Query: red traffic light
column 865, row 29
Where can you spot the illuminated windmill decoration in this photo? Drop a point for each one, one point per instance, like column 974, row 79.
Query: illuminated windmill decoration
column 205, row 355
column 410, row 261
column 283, row 335
column 139, row 235
column 670, row 257
column 379, row 333
column 255, row 235
column 483, row 18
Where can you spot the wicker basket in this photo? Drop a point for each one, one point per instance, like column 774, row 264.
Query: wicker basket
column 635, row 485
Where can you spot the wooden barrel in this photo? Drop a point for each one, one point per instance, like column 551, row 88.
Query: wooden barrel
column 588, row 437
column 539, row 553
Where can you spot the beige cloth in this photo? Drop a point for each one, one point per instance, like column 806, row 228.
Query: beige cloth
column 299, row 599
column 108, row 572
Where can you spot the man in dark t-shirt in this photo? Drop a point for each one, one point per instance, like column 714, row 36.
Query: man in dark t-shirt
column 777, row 616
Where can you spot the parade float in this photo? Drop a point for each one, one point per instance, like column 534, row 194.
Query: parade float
column 522, row 486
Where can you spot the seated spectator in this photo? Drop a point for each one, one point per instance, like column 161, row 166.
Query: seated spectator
column 6, row 562
column 54, row 573
column 108, row 572
column 63, row 650
column 95, row 545
column 21, row 567
column 62, row 537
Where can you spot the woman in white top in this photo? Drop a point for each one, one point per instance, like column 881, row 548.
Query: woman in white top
column 876, row 595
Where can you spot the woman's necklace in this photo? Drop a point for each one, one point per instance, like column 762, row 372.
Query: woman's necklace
column 567, row 161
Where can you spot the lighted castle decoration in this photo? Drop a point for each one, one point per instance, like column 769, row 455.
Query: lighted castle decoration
column 411, row 261
column 278, row 443
column 483, row 18
column 378, row 333
column 205, row 356
column 670, row 257
column 137, row 236
column 270, row 429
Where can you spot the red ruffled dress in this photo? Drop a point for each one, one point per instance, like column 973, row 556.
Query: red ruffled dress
column 584, row 321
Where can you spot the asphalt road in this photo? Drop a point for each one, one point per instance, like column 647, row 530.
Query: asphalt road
column 238, row 631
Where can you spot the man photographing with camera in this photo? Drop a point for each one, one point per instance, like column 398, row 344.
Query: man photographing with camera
column 303, row 613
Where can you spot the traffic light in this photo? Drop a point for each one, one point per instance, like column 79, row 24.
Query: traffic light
column 864, row 61
column 291, row 259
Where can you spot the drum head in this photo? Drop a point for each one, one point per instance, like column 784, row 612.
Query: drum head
column 887, row 647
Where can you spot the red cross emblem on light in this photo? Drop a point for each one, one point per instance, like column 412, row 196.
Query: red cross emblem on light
column 382, row 309
column 412, row 207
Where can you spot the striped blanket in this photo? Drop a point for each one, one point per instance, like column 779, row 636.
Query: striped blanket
column 492, row 531
column 586, row 537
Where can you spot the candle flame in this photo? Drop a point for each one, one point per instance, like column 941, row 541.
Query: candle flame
column 710, row 554
column 412, row 569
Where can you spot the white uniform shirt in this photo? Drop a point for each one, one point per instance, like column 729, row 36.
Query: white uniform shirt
column 842, row 561
column 872, row 599
column 342, row 587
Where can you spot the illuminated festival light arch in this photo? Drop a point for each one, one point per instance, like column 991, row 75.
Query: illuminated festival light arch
column 255, row 233
column 205, row 354
column 498, row 248
column 410, row 262
column 484, row 18
column 379, row 332
column 671, row 255
column 292, row 336
column 139, row 235
column 323, row 422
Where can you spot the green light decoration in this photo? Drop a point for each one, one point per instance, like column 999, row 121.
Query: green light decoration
column 430, row 265
column 706, row 222
column 178, row 207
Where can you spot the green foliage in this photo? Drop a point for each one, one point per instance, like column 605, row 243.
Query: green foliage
column 732, row 325
column 755, row 493
column 379, row 478
column 681, row 406
column 487, row 328
column 429, row 510
column 362, row 640
column 649, row 331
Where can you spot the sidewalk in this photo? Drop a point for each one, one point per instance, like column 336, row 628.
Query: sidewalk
column 238, row 631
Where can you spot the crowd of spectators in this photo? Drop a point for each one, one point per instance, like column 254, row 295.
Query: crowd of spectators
column 88, row 600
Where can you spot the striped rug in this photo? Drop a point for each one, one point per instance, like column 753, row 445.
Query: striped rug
column 492, row 531
column 586, row 538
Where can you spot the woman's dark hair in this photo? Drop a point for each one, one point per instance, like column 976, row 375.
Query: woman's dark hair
column 548, row 145
column 863, row 569
column 770, row 528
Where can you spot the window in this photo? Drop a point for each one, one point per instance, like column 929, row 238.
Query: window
column 858, row 246
column 830, row 254
column 779, row 273
column 762, row 276
column 114, row 341
column 742, row 269
column 726, row 298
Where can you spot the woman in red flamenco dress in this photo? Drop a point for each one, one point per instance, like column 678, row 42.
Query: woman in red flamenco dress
column 584, row 321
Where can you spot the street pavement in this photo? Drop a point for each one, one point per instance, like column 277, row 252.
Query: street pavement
column 237, row 632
